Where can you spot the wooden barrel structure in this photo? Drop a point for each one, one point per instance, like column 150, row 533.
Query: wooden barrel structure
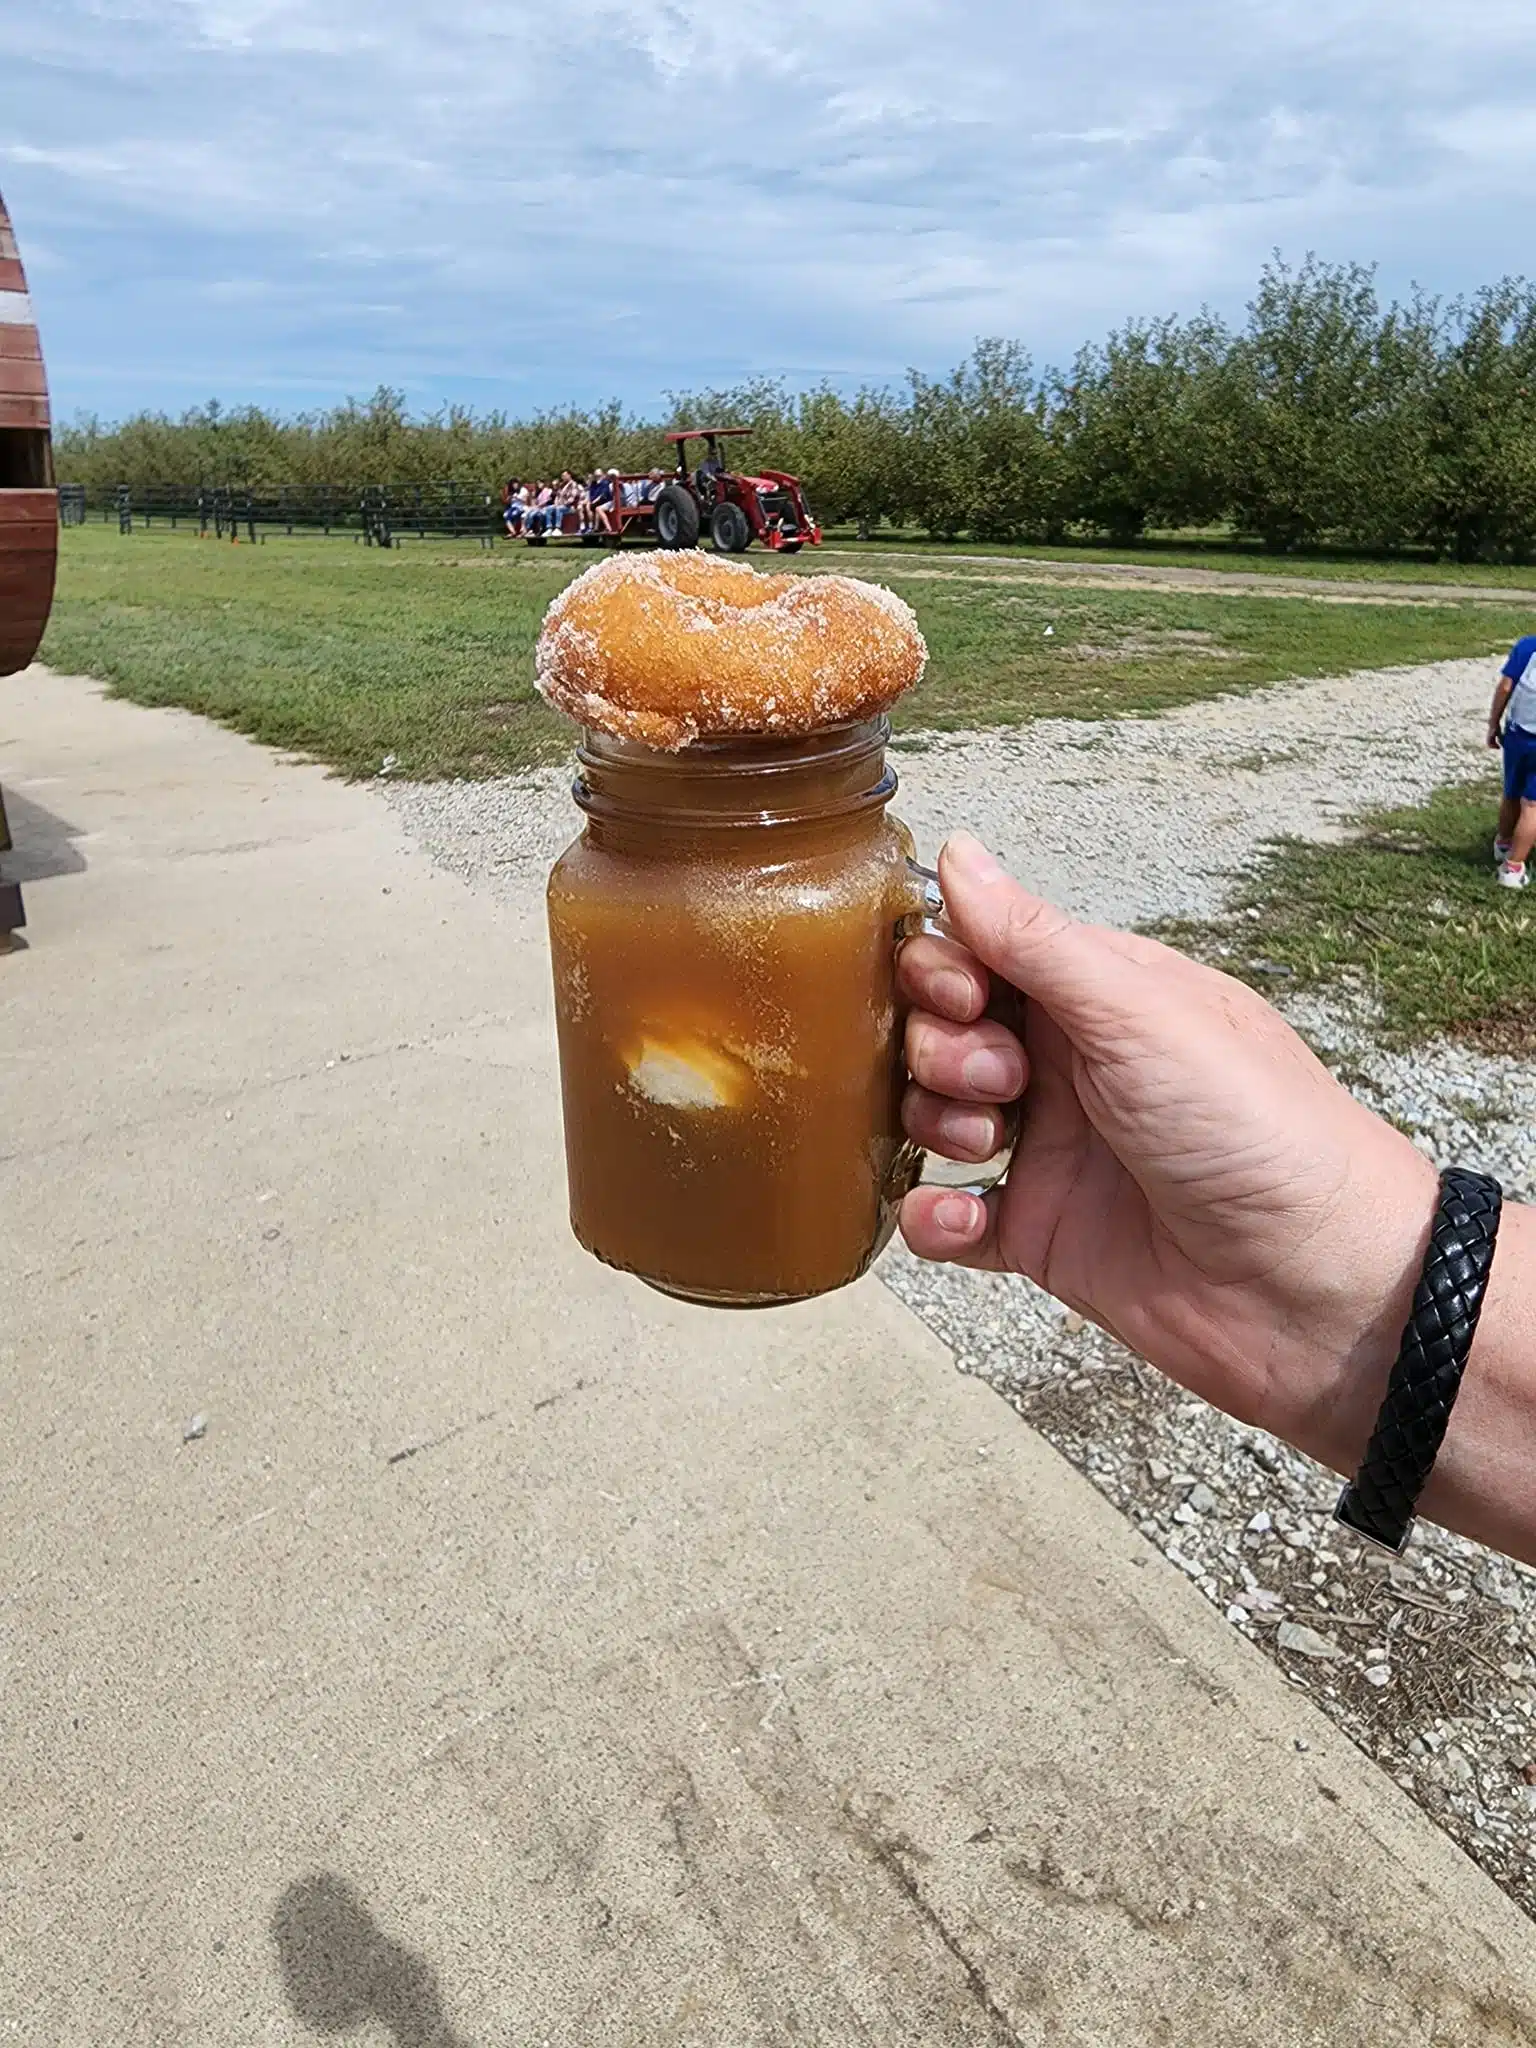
column 29, row 505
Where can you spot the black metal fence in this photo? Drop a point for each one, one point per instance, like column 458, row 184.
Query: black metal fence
column 379, row 515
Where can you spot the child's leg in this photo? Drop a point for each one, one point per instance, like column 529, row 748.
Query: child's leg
column 1523, row 837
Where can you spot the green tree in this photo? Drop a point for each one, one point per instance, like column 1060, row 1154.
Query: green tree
column 978, row 454
column 1136, row 426
column 1482, row 429
column 1297, row 387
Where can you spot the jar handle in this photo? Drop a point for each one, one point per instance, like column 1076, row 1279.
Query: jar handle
column 1006, row 1007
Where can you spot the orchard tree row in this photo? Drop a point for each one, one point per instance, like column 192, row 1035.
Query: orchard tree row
column 1327, row 417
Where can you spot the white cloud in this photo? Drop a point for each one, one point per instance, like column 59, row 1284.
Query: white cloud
column 523, row 203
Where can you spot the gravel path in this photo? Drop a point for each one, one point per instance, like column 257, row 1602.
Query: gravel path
column 1429, row 1664
column 1082, row 808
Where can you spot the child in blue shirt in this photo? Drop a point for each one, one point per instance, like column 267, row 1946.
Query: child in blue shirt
column 1512, row 722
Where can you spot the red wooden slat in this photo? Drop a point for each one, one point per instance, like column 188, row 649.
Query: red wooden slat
column 24, row 606
column 25, row 622
column 25, row 558
column 19, row 650
column 21, row 637
column 22, row 379
column 19, row 344
column 23, row 507
column 28, row 579
column 26, row 570
column 21, row 566
column 24, row 412
column 12, row 277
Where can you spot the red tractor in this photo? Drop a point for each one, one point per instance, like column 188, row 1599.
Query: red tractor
column 735, row 510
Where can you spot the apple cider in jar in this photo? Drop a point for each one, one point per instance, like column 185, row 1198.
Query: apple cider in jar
column 724, row 937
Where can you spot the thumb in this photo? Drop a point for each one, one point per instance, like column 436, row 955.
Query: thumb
column 1081, row 974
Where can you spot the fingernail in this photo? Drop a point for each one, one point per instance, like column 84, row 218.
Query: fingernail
column 952, row 992
column 968, row 1130
column 954, row 1214
column 972, row 858
column 992, row 1073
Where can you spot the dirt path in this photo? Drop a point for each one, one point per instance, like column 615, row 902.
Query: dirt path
column 1143, row 575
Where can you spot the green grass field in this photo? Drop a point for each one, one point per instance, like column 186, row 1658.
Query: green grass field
column 348, row 654
column 1405, row 911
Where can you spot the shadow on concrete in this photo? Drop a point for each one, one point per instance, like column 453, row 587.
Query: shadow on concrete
column 341, row 1971
column 42, row 845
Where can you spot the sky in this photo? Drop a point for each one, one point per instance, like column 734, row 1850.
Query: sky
column 519, row 204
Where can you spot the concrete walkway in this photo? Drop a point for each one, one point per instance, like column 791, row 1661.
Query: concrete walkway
column 520, row 1658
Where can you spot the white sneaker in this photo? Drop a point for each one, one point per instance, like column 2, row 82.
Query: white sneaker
column 1512, row 874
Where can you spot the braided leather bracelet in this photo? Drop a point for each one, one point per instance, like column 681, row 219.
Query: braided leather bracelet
column 1378, row 1504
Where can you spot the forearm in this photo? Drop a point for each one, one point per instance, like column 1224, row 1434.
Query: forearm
column 1496, row 709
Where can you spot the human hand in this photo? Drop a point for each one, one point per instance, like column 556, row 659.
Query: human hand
column 1495, row 736
column 1187, row 1174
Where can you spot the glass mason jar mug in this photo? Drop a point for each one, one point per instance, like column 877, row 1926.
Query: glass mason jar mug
column 724, row 936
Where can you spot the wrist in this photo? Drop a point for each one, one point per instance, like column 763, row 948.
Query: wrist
column 1482, row 1483
column 1351, row 1328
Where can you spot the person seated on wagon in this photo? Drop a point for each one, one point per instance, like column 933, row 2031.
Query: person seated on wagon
column 601, row 496
column 568, row 496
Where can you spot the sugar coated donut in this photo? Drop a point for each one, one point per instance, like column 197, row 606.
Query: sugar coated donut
column 670, row 648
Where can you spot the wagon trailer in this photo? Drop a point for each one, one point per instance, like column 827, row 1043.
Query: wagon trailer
column 29, row 508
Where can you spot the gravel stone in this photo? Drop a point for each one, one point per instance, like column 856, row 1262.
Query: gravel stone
column 1306, row 1642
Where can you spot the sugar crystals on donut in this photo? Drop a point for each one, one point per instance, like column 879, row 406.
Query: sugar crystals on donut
column 669, row 648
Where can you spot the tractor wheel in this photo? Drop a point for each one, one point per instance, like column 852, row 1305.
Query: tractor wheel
column 728, row 529
column 677, row 517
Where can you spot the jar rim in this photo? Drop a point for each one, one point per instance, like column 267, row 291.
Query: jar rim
column 748, row 758
column 761, row 753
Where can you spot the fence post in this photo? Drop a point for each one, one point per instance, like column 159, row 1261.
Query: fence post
column 124, row 510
